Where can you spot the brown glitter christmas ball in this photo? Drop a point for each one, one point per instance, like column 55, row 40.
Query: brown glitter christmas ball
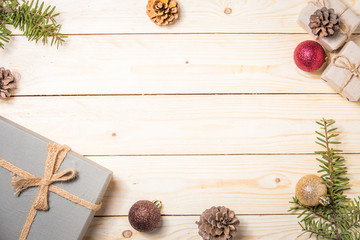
column 310, row 190
column 144, row 216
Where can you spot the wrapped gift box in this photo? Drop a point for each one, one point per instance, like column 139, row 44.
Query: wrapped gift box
column 64, row 219
column 342, row 72
column 347, row 17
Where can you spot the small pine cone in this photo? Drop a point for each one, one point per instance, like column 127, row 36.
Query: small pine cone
column 7, row 83
column 218, row 223
column 324, row 22
column 162, row 12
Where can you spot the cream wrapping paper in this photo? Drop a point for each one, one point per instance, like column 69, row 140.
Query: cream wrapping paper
column 342, row 74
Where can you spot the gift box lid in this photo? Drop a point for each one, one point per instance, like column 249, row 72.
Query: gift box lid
column 64, row 219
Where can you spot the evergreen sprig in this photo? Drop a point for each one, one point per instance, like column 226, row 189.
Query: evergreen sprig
column 340, row 219
column 36, row 21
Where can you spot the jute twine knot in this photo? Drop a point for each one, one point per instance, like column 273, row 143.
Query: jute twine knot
column 341, row 61
column 23, row 180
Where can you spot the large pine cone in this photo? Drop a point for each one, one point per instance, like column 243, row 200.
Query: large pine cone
column 218, row 223
column 324, row 22
column 7, row 83
column 162, row 12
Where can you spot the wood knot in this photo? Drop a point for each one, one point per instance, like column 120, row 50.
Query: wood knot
column 277, row 180
column 228, row 11
column 113, row 134
column 127, row 234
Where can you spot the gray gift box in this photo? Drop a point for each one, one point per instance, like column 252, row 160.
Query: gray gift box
column 343, row 72
column 347, row 18
column 65, row 220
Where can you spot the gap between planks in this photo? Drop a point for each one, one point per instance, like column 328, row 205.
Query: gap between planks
column 186, row 33
column 166, row 94
column 197, row 215
column 212, row 154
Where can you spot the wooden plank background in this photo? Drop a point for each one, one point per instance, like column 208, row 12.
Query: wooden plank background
column 208, row 111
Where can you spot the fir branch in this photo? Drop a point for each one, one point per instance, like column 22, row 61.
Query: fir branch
column 36, row 21
column 4, row 35
column 340, row 219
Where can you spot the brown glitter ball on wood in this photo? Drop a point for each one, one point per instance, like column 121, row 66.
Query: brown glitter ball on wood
column 310, row 189
column 144, row 216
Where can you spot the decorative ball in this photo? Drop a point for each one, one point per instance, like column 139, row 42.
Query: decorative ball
column 309, row 56
column 310, row 190
column 144, row 216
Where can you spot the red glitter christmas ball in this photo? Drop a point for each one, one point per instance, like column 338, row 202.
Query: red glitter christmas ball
column 309, row 56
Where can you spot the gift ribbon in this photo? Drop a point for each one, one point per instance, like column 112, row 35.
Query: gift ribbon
column 344, row 28
column 23, row 180
column 343, row 62
column 318, row 3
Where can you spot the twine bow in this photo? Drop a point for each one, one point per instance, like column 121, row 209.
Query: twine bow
column 343, row 62
column 23, row 180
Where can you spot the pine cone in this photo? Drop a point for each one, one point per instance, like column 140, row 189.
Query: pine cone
column 324, row 22
column 218, row 223
column 7, row 83
column 162, row 12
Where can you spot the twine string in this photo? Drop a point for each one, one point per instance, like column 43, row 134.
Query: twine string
column 341, row 61
column 23, row 180
column 318, row 3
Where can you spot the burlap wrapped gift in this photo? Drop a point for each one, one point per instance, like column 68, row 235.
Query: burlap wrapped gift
column 47, row 191
column 343, row 72
column 349, row 21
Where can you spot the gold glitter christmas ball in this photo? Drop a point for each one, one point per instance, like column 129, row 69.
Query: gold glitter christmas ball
column 310, row 190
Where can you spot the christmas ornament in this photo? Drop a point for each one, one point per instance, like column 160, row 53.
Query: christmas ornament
column 339, row 218
column 162, row 12
column 218, row 223
column 311, row 191
column 7, row 83
column 144, row 216
column 309, row 56
column 324, row 22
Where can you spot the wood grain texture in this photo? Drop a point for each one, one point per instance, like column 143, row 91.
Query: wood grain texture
column 182, row 143
column 261, row 184
column 186, row 124
column 132, row 64
column 277, row 227
column 143, row 64
column 201, row 16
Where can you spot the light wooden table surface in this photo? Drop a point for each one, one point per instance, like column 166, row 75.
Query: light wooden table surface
column 209, row 111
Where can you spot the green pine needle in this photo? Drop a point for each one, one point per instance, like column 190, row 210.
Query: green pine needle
column 35, row 20
column 340, row 220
